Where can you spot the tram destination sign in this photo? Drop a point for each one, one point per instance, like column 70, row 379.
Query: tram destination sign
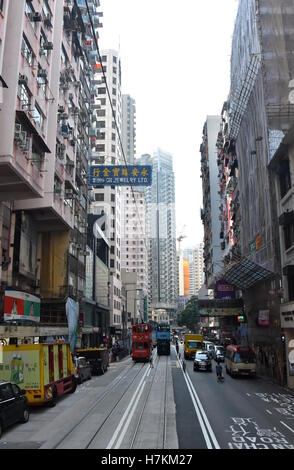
column 120, row 175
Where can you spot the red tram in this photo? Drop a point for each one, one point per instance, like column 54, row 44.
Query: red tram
column 141, row 342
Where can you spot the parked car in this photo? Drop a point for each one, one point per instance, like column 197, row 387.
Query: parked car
column 82, row 369
column 13, row 405
column 202, row 361
column 209, row 348
column 219, row 353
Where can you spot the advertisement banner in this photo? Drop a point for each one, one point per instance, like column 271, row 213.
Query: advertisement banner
column 72, row 315
column 21, row 306
column 21, row 367
column 263, row 317
column 120, row 175
column 223, row 290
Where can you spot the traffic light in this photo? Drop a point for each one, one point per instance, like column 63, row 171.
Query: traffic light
column 241, row 318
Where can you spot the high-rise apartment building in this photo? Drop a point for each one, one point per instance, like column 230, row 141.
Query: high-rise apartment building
column 161, row 233
column 194, row 256
column 129, row 127
column 106, row 149
column 211, row 200
column 45, row 55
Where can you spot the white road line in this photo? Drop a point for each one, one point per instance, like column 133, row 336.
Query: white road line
column 126, row 426
column 121, row 423
column 269, row 412
column 201, row 414
column 292, row 430
column 248, row 394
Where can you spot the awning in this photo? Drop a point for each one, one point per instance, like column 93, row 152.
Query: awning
column 286, row 218
column 3, row 83
column 38, row 137
column 246, row 274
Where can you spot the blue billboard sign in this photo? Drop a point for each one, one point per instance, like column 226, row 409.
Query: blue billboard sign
column 120, row 175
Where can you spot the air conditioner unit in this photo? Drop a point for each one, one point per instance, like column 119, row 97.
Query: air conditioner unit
column 47, row 20
column 22, row 140
column 61, row 109
column 48, row 46
column 23, row 80
column 35, row 17
column 17, row 132
column 42, row 73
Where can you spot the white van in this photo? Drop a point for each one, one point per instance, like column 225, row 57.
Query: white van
column 209, row 348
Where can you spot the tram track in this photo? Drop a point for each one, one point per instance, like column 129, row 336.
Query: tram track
column 111, row 388
column 146, row 399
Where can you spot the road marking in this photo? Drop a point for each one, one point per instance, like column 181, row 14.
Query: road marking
column 126, row 426
column 123, row 419
column 248, row 394
column 269, row 412
column 203, row 420
column 287, row 426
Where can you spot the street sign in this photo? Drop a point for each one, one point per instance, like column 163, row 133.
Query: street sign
column 120, row 175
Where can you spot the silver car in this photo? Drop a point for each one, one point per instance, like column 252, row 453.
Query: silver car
column 82, row 369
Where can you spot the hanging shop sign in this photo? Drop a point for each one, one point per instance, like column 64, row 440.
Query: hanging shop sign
column 120, row 175
column 287, row 316
column 256, row 244
column 223, row 290
column 263, row 317
column 21, row 306
column 219, row 312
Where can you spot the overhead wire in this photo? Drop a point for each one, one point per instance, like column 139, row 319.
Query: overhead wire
column 113, row 113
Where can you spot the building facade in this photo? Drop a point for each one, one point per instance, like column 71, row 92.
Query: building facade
column 45, row 117
column 161, row 233
column 211, row 201
column 106, row 149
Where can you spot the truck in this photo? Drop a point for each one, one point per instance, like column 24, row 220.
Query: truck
column 192, row 344
column 45, row 371
column 163, row 339
column 98, row 358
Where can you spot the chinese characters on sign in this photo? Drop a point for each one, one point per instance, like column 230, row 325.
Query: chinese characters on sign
column 120, row 175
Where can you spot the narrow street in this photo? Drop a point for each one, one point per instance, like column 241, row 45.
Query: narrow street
column 134, row 406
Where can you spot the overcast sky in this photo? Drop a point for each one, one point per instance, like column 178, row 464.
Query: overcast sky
column 176, row 65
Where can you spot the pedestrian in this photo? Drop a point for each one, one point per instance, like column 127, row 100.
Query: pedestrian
column 151, row 361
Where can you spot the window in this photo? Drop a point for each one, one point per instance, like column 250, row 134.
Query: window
column 101, row 91
column 114, row 91
column 1, row 5
column 100, row 124
column 113, row 137
column 6, row 392
column 289, row 235
column 104, row 58
column 114, row 59
column 43, row 41
column 24, row 96
column 100, row 148
column 38, row 117
column 101, row 112
column 112, row 197
column 113, row 150
column 27, row 51
column 99, row 197
column 285, row 178
column 112, row 263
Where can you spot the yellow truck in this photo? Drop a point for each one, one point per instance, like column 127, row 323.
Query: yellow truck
column 44, row 371
column 192, row 344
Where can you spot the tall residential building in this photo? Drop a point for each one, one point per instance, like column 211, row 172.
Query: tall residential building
column 161, row 233
column 106, row 150
column 211, row 200
column 196, row 268
column 129, row 127
column 133, row 241
column 45, row 117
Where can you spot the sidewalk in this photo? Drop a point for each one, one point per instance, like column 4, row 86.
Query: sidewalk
column 266, row 379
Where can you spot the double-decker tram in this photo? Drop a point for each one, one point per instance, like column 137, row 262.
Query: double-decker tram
column 163, row 338
column 142, row 342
